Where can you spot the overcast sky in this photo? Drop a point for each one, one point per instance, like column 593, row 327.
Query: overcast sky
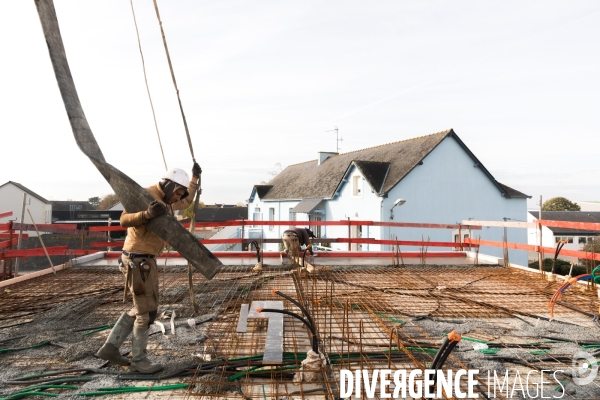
column 262, row 82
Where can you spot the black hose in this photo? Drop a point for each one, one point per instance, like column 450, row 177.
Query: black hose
column 581, row 342
column 12, row 338
column 315, row 338
column 445, row 349
column 439, row 353
column 297, row 303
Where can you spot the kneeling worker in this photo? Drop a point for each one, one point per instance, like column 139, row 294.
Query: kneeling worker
column 138, row 264
column 294, row 238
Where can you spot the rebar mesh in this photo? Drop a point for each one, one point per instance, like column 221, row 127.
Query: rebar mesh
column 367, row 317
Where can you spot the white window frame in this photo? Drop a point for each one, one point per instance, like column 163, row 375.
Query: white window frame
column 356, row 185
column 271, row 217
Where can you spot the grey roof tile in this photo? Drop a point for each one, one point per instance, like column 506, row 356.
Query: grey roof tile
column 32, row 193
column 383, row 166
column 573, row 216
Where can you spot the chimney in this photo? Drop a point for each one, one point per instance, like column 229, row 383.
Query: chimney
column 324, row 155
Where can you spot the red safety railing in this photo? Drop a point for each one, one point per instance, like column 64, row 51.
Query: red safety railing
column 466, row 225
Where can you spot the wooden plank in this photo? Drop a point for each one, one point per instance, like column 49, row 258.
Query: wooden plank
column 243, row 321
column 32, row 275
column 529, row 247
column 423, row 225
column 273, row 353
column 583, row 226
column 505, row 224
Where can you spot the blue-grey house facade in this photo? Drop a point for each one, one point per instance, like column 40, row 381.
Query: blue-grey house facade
column 437, row 176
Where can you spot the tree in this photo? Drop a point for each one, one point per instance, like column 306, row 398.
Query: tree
column 108, row 201
column 94, row 201
column 188, row 212
column 560, row 204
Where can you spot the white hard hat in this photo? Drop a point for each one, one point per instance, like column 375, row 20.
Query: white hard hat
column 178, row 176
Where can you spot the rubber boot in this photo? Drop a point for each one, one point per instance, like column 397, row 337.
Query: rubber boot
column 140, row 361
column 110, row 350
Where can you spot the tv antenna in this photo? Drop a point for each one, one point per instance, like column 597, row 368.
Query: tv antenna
column 337, row 139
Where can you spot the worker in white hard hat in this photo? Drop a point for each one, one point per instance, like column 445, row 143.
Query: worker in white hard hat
column 138, row 264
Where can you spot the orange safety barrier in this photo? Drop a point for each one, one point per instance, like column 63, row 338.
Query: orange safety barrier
column 306, row 223
column 328, row 240
column 321, row 254
column 53, row 251
column 520, row 246
column 6, row 235
column 6, row 243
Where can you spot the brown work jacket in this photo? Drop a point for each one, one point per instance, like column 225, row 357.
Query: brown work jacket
column 139, row 238
column 303, row 238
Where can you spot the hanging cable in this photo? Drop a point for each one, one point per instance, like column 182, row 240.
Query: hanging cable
column 187, row 131
column 189, row 139
column 147, row 87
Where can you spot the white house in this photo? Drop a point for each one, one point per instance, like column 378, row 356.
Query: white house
column 589, row 205
column 575, row 238
column 439, row 178
column 11, row 199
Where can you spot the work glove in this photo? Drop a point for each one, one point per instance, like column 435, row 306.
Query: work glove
column 156, row 209
column 196, row 170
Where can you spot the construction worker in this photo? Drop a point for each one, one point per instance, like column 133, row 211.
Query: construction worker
column 294, row 238
column 138, row 264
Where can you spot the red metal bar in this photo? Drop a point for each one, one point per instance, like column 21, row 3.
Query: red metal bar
column 6, row 214
column 6, row 235
column 321, row 254
column 4, row 227
column 106, row 228
column 391, row 242
column 68, row 229
column 301, row 223
column 5, row 244
column 96, row 245
column 584, row 226
column 329, row 240
column 53, row 251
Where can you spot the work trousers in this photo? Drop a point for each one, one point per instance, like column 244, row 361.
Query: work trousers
column 291, row 243
column 143, row 285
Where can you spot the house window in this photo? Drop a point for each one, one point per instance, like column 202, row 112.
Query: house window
column 271, row 217
column 582, row 240
column 316, row 228
column 569, row 239
column 291, row 216
column 356, row 186
column 256, row 216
